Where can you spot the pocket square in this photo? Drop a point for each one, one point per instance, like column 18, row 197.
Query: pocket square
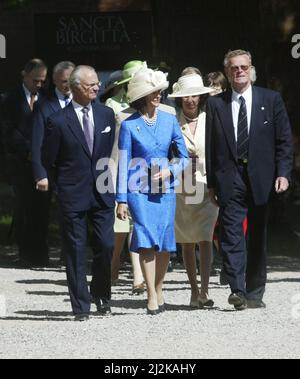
column 107, row 130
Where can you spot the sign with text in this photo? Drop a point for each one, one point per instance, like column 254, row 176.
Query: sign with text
column 103, row 40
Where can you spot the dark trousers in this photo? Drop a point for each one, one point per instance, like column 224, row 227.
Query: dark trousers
column 245, row 258
column 76, row 231
column 31, row 218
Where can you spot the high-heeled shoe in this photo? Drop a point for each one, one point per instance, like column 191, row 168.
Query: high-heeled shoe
column 162, row 308
column 206, row 302
column 151, row 312
column 138, row 289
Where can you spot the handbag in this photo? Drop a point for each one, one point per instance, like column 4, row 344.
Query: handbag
column 173, row 151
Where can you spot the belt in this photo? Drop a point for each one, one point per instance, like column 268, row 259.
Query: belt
column 243, row 161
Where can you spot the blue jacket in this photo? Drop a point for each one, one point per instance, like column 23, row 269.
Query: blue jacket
column 270, row 145
column 139, row 147
column 66, row 149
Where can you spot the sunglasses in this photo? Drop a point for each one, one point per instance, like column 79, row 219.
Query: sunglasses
column 237, row 68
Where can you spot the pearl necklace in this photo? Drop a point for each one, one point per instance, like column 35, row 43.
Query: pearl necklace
column 149, row 122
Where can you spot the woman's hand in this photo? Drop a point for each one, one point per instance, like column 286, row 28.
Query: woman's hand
column 162, row 175
column 122, row 212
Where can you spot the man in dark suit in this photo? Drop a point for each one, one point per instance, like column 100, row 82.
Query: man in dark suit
column 33, row 250
column 59, row 98
column 249, row 154
column 77, row 140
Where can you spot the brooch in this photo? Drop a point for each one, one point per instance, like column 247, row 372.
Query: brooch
column 138, row 128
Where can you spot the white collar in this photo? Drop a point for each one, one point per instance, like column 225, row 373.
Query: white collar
column 78, row 107
column 60, row 95
column 26, row 90
column 247, row 95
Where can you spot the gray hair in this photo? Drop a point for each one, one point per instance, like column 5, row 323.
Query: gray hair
column 253, row 75
column 191, row 71
column 63, row 66
column 236, row 53
column 76, row 76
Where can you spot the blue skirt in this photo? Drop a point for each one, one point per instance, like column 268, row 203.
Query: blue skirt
column 154, row 221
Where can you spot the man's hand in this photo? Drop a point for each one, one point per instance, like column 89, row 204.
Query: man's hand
column 42, row 185
column 281, row 185
column 122, row 212
column 213, row 197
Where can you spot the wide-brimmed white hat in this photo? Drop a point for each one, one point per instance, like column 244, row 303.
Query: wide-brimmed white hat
column 145, row 82
column 189, row 85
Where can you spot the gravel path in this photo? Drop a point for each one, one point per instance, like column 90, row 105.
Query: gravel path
column 38, row 322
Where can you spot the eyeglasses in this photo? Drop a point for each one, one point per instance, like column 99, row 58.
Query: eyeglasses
column 237, row 68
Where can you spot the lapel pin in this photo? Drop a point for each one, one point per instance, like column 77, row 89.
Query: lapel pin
column 262, row 108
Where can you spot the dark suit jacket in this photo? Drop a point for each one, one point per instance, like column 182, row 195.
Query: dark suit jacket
column 18, row 134
column 65, row 148
column 42, row 111
column 18, row 119
column 270, row 149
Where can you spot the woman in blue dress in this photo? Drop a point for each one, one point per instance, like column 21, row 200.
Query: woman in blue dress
column 147, row 179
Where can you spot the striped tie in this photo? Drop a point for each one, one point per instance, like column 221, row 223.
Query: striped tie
column 67, row 100
column 243, row 134
column 88, row 129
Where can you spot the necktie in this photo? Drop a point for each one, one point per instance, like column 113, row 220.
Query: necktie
column 67, row 100
column 32, row 100
column 243, row 135
column 88, row 129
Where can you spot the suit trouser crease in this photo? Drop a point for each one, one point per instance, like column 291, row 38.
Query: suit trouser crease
column 76, row 230
column 244, row 256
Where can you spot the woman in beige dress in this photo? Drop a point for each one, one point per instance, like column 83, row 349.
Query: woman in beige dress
column 196, row 215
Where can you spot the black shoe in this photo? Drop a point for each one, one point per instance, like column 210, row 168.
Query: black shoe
column 82, row 317
column 256, row 304
column 155, row 312
column 238, row 300
column 162, row 308
column 138, row 289
column 223, row 278
column 103, row 306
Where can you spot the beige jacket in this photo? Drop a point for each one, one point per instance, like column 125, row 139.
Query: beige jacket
column 195, row 145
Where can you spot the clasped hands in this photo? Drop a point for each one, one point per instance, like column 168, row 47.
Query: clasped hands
column 122, row 210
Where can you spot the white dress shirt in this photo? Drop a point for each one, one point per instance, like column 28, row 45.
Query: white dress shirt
column 61, row 98
column 78, row 109
column 28, row 95
column 236, row 105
